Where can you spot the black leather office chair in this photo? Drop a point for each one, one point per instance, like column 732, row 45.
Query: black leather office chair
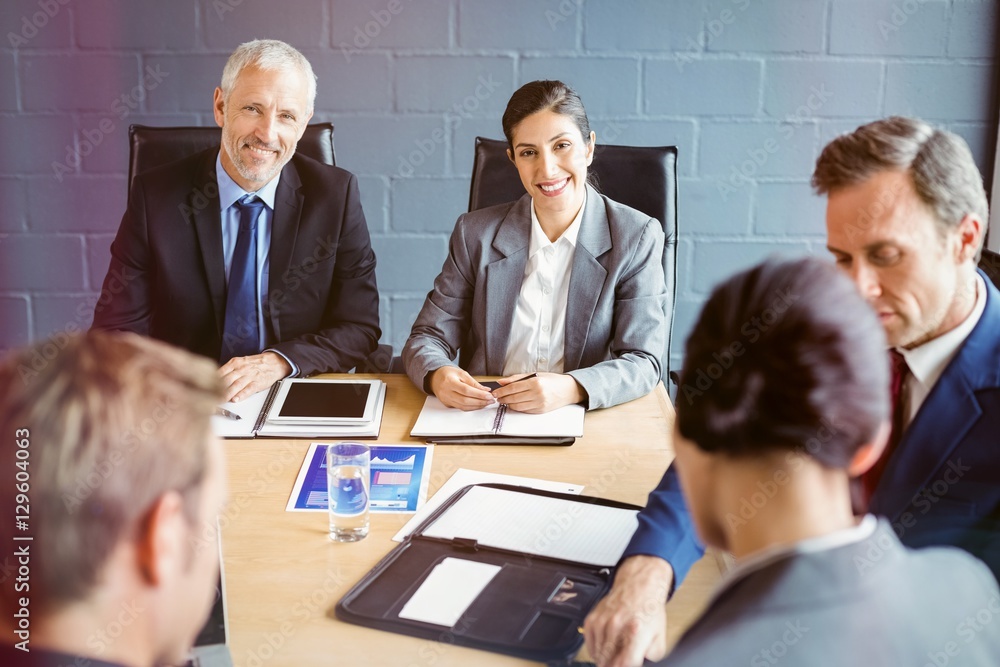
column 155, row 146
column 989, row 262
column 151, row 147
column 642, row 177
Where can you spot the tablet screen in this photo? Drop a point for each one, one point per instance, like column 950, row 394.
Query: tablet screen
column 326, row 400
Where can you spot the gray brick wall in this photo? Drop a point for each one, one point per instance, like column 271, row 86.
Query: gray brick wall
column 749, row 90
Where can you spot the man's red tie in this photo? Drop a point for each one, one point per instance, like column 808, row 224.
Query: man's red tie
column 899, row 372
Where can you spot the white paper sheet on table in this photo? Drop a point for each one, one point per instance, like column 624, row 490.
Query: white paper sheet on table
column 448, row 590
column 464, row 477
column 538, row 525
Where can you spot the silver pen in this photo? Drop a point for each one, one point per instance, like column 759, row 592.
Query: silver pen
column 222, row 412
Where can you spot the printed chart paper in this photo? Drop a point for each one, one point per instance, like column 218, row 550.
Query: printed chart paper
column 400, row 475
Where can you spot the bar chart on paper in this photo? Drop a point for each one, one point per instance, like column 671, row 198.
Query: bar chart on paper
column 400, row 475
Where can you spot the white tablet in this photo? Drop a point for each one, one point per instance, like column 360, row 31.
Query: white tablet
column 318, row 401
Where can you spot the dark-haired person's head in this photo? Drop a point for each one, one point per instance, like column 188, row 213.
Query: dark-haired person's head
column 111, row 435
column 550, row 142
column 784, row 374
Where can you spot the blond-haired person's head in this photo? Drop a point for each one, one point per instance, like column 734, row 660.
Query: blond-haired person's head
column 109, row 434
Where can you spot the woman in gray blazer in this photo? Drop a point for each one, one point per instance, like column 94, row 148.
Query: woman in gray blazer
column 563, row 283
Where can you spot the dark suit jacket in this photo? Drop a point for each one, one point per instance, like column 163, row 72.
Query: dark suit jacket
column 615, row 313
column 873, row 602
column 167, row 276
column 942, row 483
column 941, row 486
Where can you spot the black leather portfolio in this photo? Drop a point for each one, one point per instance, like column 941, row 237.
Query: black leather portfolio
column 500, row 568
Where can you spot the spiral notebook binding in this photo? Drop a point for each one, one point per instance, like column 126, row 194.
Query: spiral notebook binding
column 498, row 419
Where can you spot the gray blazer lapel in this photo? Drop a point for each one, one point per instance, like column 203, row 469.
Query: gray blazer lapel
column 284, row 232
column 503, row 281
column 587, row 277
column 203, row 209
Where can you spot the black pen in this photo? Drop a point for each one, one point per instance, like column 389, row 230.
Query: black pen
column 222, row 412
column 526, row 377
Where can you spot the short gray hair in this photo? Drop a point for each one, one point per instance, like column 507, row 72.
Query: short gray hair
column 939, row 162
column 268, row 55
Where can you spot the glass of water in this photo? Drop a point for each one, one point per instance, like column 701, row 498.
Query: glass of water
column 348, row 466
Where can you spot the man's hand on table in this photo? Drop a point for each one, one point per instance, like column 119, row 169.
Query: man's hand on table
column 245, row 376
column 630, row 623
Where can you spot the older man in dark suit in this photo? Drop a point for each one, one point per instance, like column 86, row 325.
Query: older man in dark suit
column 249, row 254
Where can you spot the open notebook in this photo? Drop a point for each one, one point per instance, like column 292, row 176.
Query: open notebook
column 497, row 423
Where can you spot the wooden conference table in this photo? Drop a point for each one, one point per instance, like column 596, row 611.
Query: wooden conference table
column 283, row 575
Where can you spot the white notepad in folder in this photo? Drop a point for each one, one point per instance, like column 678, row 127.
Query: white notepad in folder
column 538, row 525
column 436, row 420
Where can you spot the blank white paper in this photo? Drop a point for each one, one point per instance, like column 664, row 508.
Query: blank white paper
column 248, row 409
column 437, row 420
column 537, row 525
column 448, row 590
column 464, row 477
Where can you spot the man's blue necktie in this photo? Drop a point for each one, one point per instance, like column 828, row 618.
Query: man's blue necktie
column 241, row 334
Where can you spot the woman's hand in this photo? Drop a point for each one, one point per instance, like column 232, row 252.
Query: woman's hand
column 457, row 389
column 542, row 393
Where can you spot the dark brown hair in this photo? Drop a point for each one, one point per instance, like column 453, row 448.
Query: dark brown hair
column 786, row 355
column 544, row 96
